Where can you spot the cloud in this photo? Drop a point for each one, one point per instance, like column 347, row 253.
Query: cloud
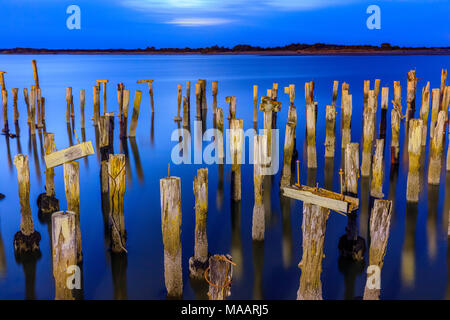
column 198, row 22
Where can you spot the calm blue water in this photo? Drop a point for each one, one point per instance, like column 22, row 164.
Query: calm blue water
column 417, row 259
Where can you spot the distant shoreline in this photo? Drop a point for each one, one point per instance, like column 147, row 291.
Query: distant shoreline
column 289, row 50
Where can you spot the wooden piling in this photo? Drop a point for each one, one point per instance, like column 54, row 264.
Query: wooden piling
column 42, row 112
column 69, row 103
column 313, row 230
column 445, row 100
column 135, row 116
column 170, row 189
column 436, row 150
column 33, row 110
column 199, row 262
column 443, row 81
column 64, row 251
column 96, row 105
column 116, row 173
column 220, row 143
column 180, row 95
column 330, row 139
column 185, row 113
column 198, row 100
column 15, row 92
column 150, row 91
column 215, row 89
column 236, row 144
column 289, row 139
column 125, row 107
column 347, row 106
column 396, row 116
column 27, row 239
column 335, row 92
column 351, row 168
column 435, row 108
column 414, row 151
column 258, row 220
column 376, row 89
column 310, row 128
column 220, row 276
column 232, row 107
column 380, row 221
column 103, row 82
column 49, row 146
column 35, row 73
column 82, row 101
column 72, row 190
column 188, row 94
column 2, row 81
column 368, row 134
column 411, row 95
column 384, row 107
column 27, row 102
column 255, row 103
column 39, row 108
column 5, row 112
column 376, row 187
column 424, row 110
column 366, row 95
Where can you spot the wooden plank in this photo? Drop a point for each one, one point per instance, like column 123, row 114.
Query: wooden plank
column 309, row 197
column 75, row 152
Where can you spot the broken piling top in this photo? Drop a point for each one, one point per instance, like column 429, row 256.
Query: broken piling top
column 290, row 90
column 267, row 104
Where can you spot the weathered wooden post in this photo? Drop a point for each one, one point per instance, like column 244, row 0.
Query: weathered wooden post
column 69, row 103
column 435, row 108
column 220, row 144
column 103, row 82
column 135, row 116
column 424, row 110
column 185, row 113
column 231, row 107
column 220, row 274
column 27, row 102
column 96, row 105
column 335, row 92
column 414, row 151
column 236, row 143
column 268, row 106
column 351, row 168
column 150, row 91
column 116, row 173
column 188, row 94
column 33, row 110
column 2, row 80
column 82, row 98
column 289, row 138
column 198, row 100
column 170, row 189
column 368, row 135
column 376, row 187
column 258, row 220
column 443, row 81
column 5, row 112
column 124, row 120
column 255, row 103
column 47, row 202
column 384, row 107
column 64, row 251
column 72, row 190
column 35, row 73
column 310, row 127
column 42, row 121
column 380, row 221
column 203, row 94
column 396, row 116
column 436, row 150
column 347, row 106
column 330, row 139
column 177, row 118
column 15, row 92
column 445, row 99
column 376, row 89
column 313, row 228
column 366, row 95
column 39, row 108
column 215, row 89
column 411, row 95
column 199, row 262
column 27, row 239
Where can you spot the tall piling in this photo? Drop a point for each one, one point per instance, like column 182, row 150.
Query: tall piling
column 68, row 103
column 435, row 108
column 396, row 116
column 380, row 221
column 220, row 143
column 180, row 95
column 96, row 105
column 255, row 103
column 170, row 189
column 5, row 112
column 414, row 151
column 368, row 134
column 376, row 186
column 313, row 230
column 15, row 92
column 289, row 139
column 330, row 131
column 424, row 110
column 310, row 128
column 346, row 115
column 410, row 95
column 82, row 102
column 236, row 143
column 351, row 168
column 198, row 100
column 258, row 220
column 135, row 116
column 215, row 89
column 436, row 150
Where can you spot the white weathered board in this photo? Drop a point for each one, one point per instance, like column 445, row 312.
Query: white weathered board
column 75, row 152
column 309, row 197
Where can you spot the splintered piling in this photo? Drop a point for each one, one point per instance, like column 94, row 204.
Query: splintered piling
column 64, row 251
column 424, row 110
column 72, row 190
column 236, row 143
column 268, row 106
column 380, row 221
column 220, row 274
column 436, row 150
column 188, row 94
column 27, row 239
column 313, row 229
column 199, row 262
column 351, row 168
column 368, row 134
column 258, row 221
column 185, row 113
column 170, row 189
column 396, row 116
column 414, row 151
column 135, row 116
column 289, row 139
column 376, row 186
column 330, row 139
column 335, row 92
column 116, row 173
column 198, row 100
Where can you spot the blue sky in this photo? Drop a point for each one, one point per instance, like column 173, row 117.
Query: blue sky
column 198, row 23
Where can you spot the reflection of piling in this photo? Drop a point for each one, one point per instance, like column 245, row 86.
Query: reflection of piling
column 134, row 117
column 384, row 107
column 414, row 151
column 376, row 186
column 258, row 223
column 72, row 189
column 436, row 150
column 27, row 239
column 236, row 142
column 198, row 263
column 220, row 276
column 64, row 251
column 313, row 230
column 380, row 221
column 351, row 168
column 170, row 188
column 424, row 110
column 368, row 134
column 116, row 173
